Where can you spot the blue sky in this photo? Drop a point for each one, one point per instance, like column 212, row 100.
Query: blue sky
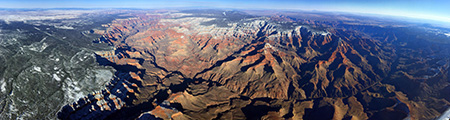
column 426, row 9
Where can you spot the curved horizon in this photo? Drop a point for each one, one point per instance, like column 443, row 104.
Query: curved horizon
column 431, row 10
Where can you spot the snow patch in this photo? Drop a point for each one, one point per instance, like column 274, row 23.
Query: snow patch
column 64, row 27
column 79, row 95
column 25, row 115
column 3, row 86
column 445, row 115
column 268, row 45
column 103, row 75
column 72, row 90
column 7, row 22
column 56, row 77
column 13, row 108
column 325, row 33
column 37, row 68
column 38, row 47
column 447, row 34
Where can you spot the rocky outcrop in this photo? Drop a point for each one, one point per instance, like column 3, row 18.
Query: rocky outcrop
column 174, row 66
column 99, row 105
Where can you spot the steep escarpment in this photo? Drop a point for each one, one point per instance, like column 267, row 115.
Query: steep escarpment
column 187, row 66
column 310, row 65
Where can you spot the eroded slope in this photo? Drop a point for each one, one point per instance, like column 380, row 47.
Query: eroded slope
column 207, row 65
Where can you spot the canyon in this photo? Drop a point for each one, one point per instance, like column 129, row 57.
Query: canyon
column 215, row 64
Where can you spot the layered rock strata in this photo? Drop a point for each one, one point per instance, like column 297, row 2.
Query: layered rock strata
column 180, row 66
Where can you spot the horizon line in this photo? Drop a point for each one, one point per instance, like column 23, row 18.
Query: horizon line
column 368, row 14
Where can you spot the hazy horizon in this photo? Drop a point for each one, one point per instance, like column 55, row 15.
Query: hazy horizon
column 432, row 10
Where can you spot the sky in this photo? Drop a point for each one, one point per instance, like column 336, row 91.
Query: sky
column 438, row 10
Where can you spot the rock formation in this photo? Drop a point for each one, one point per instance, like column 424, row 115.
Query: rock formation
column 192, row 65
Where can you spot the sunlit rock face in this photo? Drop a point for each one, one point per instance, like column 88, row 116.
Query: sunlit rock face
column 229, row 64
column 215, row 64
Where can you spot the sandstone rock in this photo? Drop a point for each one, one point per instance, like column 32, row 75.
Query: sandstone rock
column 173, row 67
